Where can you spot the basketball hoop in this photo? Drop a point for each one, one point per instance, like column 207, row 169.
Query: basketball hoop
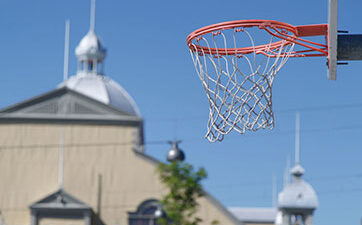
column 237, row 61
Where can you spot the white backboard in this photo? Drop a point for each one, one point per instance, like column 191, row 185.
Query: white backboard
column 332, row 39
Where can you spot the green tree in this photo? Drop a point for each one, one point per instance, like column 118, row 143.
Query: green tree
column 184, row 188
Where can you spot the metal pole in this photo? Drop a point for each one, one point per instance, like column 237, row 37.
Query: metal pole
column 66, row 51
column 92, row 15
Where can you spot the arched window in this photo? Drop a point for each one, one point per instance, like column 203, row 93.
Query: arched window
column 145, row 214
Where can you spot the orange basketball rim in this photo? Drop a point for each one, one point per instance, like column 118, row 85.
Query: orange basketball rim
column 284, row 31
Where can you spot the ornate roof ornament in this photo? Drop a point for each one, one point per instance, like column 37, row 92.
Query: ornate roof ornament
column 298, row 194
column 90, row 79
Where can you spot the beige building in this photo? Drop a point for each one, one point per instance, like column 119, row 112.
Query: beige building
column 106, row 178
column 75, row 155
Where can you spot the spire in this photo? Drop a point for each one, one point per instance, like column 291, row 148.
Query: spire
column 66, row 50
column 297, row 170
column 90, row 51
column 92, row 16
column 298, row 200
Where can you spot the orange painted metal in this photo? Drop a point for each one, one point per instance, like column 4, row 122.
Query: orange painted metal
column 290, row 34
column 312, row 30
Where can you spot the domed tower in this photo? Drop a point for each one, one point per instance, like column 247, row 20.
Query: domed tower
column 298, row 200
column 90, row 51
column 90, row 79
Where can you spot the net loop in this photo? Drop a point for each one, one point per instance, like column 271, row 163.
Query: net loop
column 237, row 61
column 238, row 79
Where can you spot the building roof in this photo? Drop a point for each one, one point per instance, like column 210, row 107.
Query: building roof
column 65, row 105
column 90, row 80
column 102, row 89
column 254, row 215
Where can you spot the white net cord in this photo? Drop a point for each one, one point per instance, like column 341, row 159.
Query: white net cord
column 238, row 86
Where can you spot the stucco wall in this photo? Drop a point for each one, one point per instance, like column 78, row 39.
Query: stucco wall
column 100, row 169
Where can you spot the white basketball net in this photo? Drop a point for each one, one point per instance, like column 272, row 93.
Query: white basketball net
column 238, row 86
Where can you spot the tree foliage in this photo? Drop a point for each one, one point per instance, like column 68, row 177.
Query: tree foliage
column 184, row 188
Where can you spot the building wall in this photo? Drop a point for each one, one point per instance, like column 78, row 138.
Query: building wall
column 100, row 169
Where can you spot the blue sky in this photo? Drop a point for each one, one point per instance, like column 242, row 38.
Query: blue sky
column 148, row 56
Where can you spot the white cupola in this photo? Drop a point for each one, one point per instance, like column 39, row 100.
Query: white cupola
column 90, row 50
column 90, row 53
column 90, row 79
column 298, row 200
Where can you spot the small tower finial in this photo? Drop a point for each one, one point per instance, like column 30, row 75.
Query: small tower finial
column 298, row 200
column 92, row 15
column 90, row 51
column 297, row 170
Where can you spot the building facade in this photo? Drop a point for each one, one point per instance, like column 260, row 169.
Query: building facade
column 75, row 155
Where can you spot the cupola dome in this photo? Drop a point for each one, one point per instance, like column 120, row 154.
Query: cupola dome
column 103, row 89
column 90, row 48
column 298, row 194
column 298, row 200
